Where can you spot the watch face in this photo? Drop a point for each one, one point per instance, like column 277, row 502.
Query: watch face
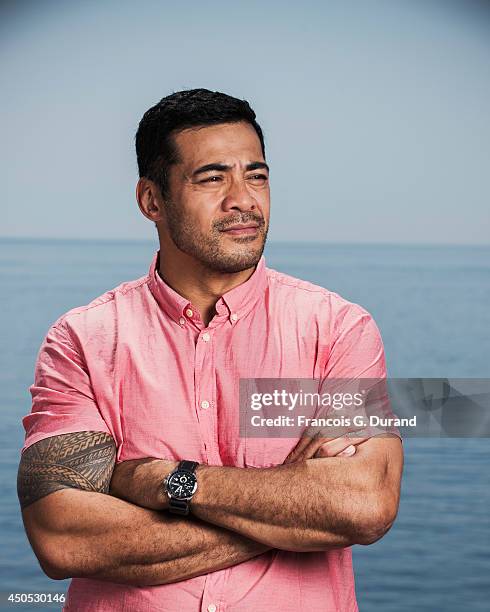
column 182, row 485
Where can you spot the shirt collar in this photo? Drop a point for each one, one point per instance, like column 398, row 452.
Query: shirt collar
column 233, row 305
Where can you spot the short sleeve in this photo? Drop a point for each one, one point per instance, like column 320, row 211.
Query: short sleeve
column 62, row 397
column 356, row 363
column 357, row 350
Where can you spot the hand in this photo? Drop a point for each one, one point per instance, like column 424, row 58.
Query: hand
column 315, row 447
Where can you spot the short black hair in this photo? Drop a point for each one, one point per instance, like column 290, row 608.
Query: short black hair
column 155, row 148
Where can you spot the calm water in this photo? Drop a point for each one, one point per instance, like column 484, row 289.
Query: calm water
column 432, row 306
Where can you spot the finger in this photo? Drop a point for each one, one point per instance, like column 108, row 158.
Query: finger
column 334, row 447
column 308, row 445
column 307, row 451
column 348, row 452
column 300, row 447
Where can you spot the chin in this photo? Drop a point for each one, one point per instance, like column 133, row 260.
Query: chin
column 236, row 261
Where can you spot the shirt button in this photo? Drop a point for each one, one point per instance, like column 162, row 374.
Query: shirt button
column 212, row 608
column 234, row 317
column 206, row 337
column 189, row 313
column 204, row 404
column 182, row 321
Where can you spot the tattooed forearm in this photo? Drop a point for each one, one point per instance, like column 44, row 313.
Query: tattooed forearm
column 83, row 460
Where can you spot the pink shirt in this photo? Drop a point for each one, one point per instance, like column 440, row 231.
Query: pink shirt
column 138, row 363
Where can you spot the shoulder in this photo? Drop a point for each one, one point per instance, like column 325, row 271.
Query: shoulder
column 315, row 300
column 102, row 312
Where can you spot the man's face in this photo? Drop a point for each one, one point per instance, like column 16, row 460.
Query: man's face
column 217, row 210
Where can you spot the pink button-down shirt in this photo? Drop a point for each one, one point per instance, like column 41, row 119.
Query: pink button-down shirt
column 138, row 363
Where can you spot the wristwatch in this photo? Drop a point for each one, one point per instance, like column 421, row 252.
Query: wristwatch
column 180, row 485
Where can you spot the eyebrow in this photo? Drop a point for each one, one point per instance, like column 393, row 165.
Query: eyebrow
column 224, row 167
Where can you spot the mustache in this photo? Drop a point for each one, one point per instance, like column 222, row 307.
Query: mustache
column 243, row 218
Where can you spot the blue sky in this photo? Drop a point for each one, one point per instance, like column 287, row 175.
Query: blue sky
column 376, row 113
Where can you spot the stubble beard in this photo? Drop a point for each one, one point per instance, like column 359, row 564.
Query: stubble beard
column 209, row 250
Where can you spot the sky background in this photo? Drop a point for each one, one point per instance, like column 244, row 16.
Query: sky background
column 376, row 113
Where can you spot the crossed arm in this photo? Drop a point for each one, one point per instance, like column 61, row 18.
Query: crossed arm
column 308, row 504
column 77, row 530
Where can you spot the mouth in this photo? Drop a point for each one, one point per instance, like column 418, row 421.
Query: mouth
column 242, row 229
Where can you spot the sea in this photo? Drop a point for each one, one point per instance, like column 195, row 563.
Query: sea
column 432, row 306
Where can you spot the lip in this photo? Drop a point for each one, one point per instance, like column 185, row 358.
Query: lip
column 242, row 228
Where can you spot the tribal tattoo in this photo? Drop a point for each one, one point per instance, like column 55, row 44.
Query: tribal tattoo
column 83, row 460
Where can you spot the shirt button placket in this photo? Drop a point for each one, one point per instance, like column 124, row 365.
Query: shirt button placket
column 205, row 380
column 208, row 604
column 205, row 396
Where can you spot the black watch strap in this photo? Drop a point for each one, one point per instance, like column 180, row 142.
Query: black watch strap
column 178, row 506
column 187, row 466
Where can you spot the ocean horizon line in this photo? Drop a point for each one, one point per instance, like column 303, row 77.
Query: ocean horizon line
column 299, row 243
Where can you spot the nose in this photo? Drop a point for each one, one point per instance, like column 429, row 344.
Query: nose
column 238, row 197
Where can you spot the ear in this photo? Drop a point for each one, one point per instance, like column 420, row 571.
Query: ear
column 149, row 199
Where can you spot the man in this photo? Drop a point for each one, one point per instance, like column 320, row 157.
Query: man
column 146, row 378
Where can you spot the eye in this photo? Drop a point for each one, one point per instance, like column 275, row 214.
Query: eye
column 260, row 178
column 211, row 179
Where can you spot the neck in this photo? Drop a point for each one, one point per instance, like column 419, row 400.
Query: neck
column 197, row 283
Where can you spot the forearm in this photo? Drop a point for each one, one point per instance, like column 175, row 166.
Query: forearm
column 316, row 504
column 310, row 505
column 95, row 535
column 300, row 507
column 229, row 549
